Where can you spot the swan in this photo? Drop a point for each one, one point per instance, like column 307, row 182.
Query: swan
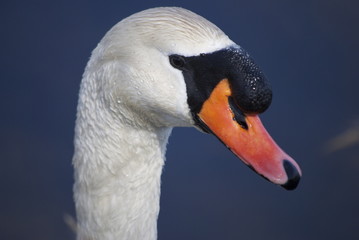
column 155, row 70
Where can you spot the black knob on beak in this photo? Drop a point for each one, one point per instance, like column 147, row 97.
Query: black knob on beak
column 250, row 88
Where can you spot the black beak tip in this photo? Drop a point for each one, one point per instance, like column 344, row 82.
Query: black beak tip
column 293, row 176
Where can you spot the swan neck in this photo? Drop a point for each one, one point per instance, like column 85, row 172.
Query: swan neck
column 117, row 176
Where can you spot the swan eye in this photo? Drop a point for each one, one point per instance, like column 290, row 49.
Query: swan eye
column 177, row 61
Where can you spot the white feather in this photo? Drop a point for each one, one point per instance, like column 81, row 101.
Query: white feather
column 130, row 98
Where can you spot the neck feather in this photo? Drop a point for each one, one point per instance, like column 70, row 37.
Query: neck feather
column 117, row 175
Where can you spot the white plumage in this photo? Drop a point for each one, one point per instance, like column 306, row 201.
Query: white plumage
column 130, row 99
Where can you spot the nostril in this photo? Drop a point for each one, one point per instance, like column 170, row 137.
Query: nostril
column 239, row 117
column 292, row 174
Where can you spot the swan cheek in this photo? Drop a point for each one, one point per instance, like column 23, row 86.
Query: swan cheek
column 247, row 138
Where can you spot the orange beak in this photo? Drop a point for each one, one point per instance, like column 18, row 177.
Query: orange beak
column 248, row 140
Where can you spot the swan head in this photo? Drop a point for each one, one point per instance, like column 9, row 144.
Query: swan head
column 166, row 67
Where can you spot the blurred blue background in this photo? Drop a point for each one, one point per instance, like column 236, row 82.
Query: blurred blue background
column 309, row 50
